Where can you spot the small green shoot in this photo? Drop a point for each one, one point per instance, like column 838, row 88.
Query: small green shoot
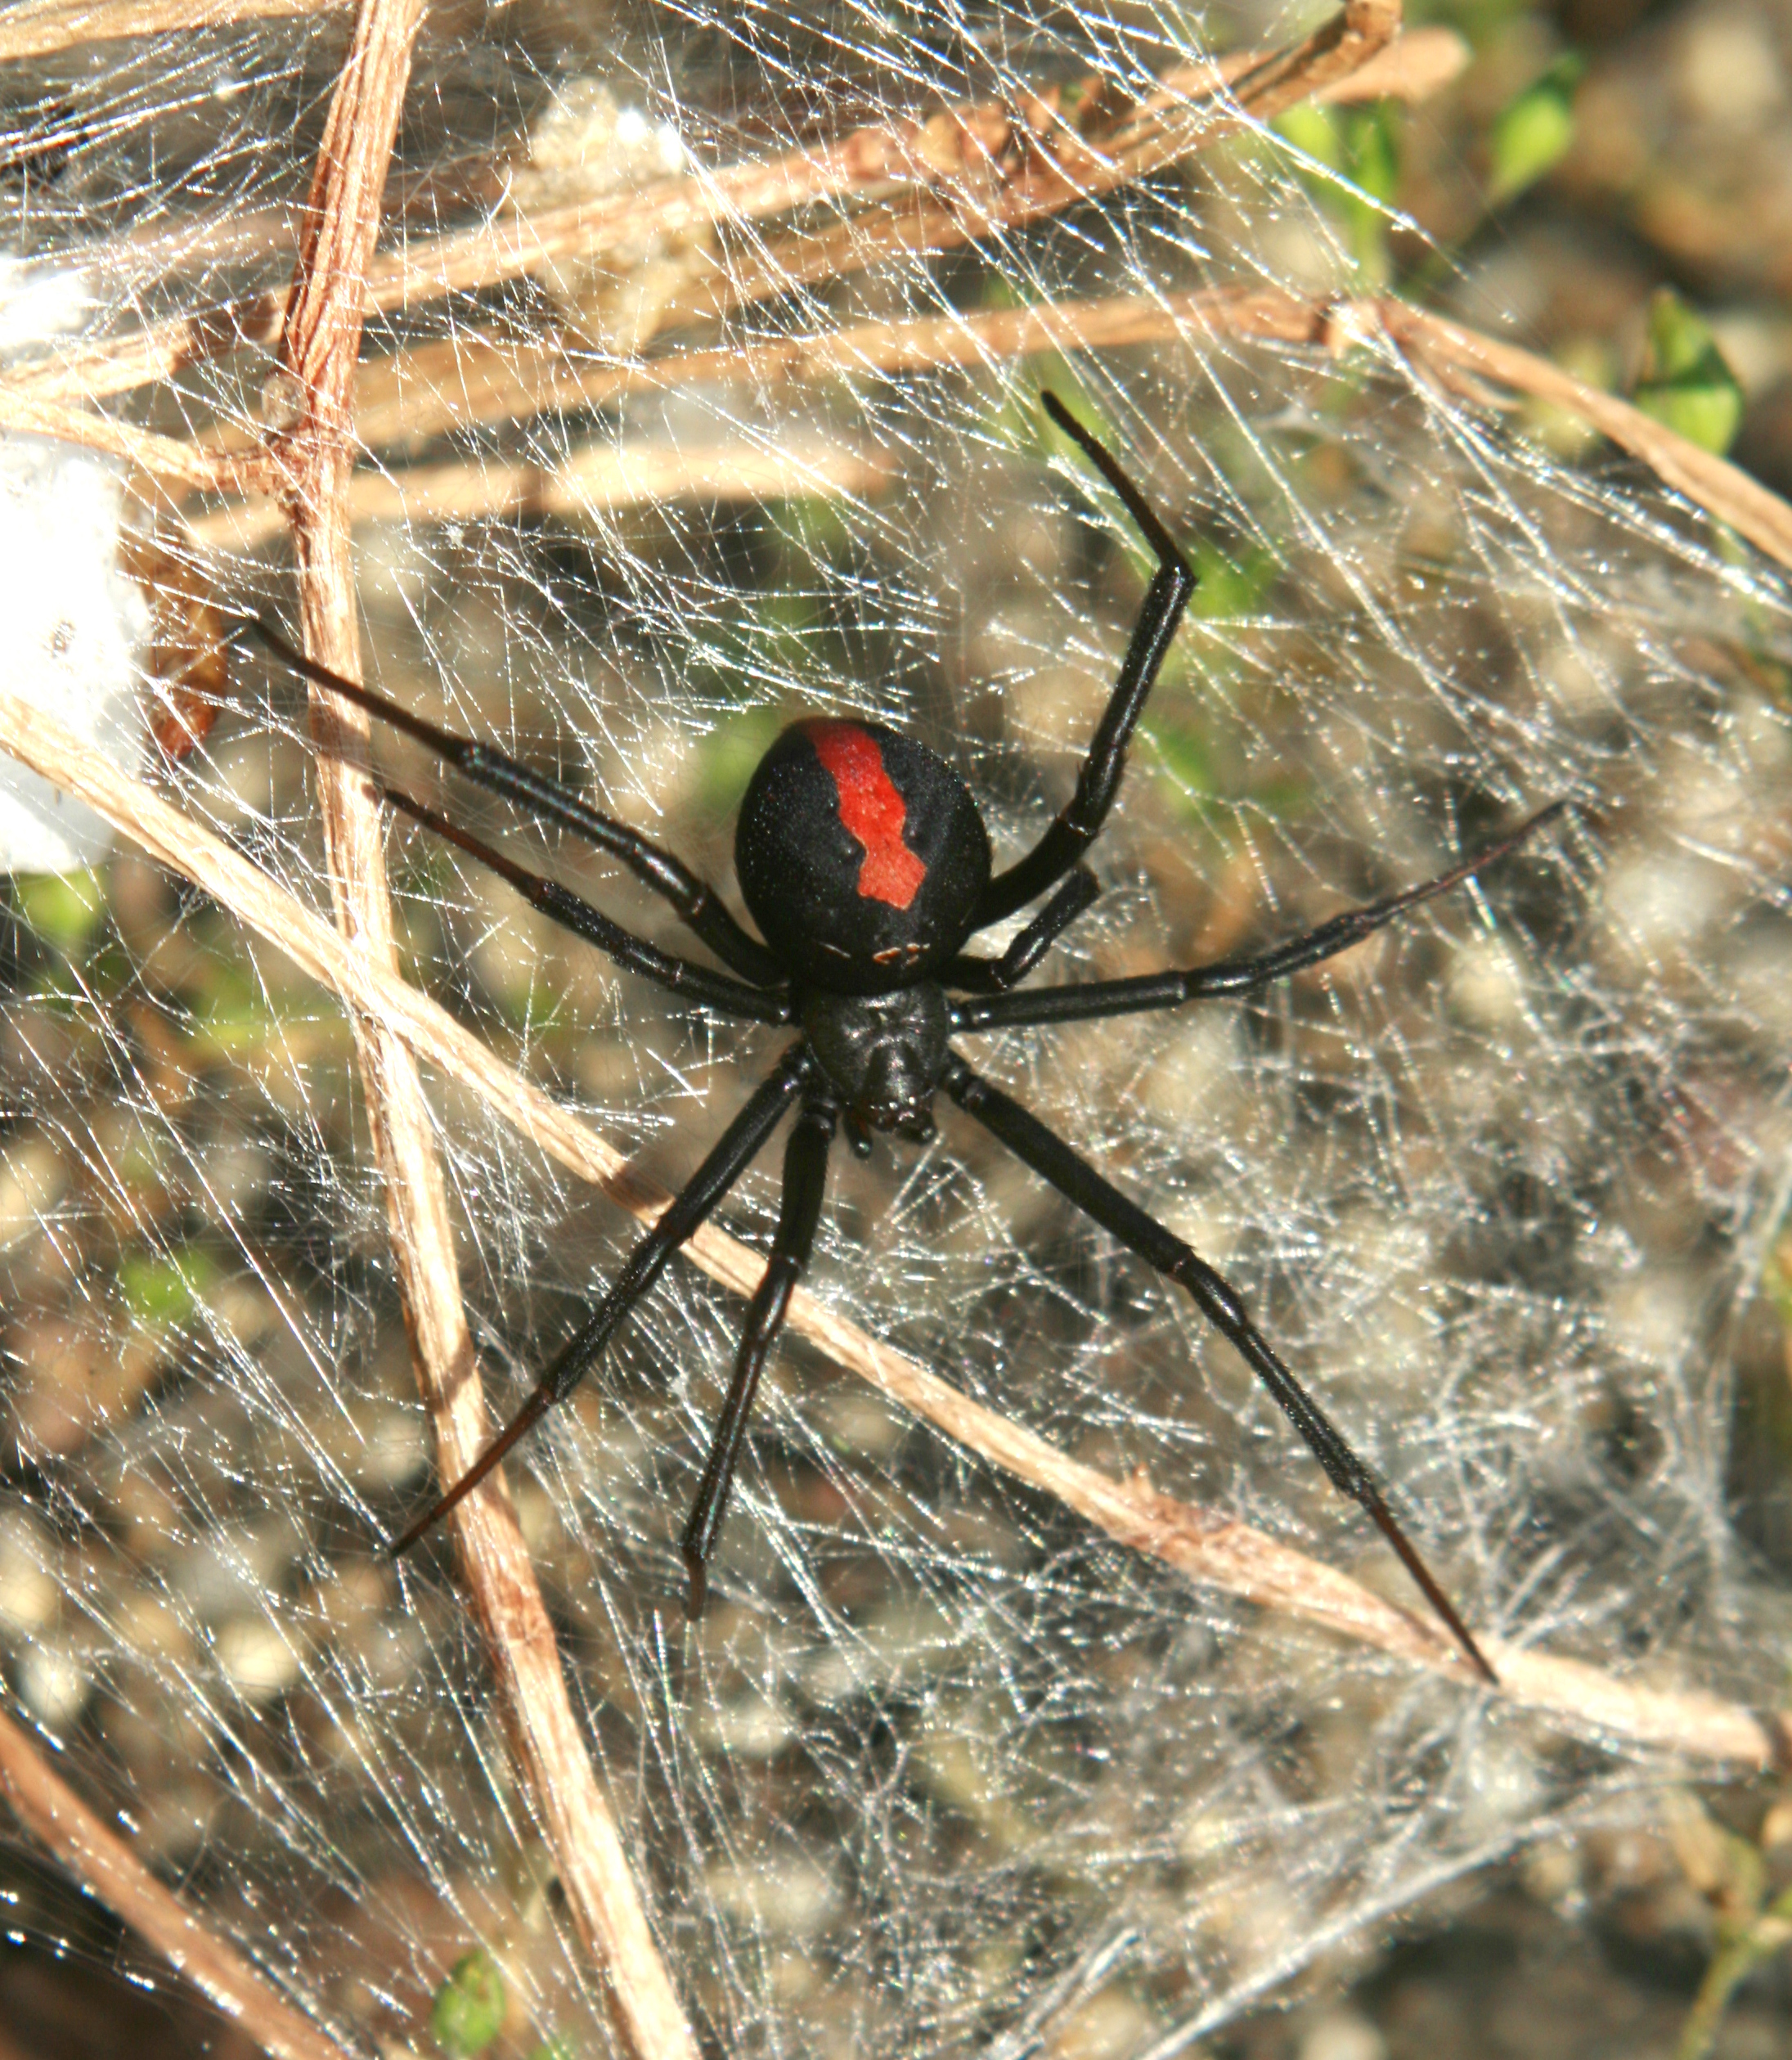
column 62, row 909
column 163, row 1290
column 1684, row 382
column 1533, row 133
column 468, row 2013
column 1354, row 173
column 1731, row 1873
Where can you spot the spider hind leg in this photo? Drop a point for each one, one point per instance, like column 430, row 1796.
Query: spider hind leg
column 1047, row 1154
column 806, row 1180
column 730, row 1157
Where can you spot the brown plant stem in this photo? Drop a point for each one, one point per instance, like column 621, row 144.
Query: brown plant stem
column 1204, row 1545
column 38, row 28
column 319, row 349
column 162, row 463
column 418, row 394
column 1066, row 169
column 414, row 399
column 106, row 1866
column 597, row 478
column 909, row 155
column 1465, row 361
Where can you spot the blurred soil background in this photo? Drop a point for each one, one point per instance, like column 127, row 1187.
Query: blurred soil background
column 1595, row 156
column 1592, row 153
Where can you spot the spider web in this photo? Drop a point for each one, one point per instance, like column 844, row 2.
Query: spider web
column 1501, row 1183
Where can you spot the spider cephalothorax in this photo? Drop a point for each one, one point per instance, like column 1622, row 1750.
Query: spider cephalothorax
column 864, row 860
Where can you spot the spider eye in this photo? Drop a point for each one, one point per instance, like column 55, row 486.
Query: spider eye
column 861, row 855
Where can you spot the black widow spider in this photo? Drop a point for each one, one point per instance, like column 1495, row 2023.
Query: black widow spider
column 864, row 860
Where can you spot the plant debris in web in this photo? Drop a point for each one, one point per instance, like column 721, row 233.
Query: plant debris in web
column 699, row 392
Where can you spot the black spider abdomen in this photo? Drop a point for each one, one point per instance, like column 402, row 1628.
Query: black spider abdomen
column 861, row 855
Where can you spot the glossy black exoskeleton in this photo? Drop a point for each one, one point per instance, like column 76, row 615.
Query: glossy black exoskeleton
column 863, row 859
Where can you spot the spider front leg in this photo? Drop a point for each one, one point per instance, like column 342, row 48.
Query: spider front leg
column 806, row 1180
column 733, row 1153
column 1074, row 1177
column 633, row 954
column 1079, row 823
column 670, row 878
column 995, row 976
column 1090, row 999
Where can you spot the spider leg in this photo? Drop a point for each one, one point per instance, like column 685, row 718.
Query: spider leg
column 1079, row 824
column 728, row 1159
column 985, row 976
column 1094, row 998
column 1073, row 1176
column 633, row 954
column 670, row 878
column 806, row 1179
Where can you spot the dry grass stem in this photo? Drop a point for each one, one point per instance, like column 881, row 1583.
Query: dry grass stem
column 1062, row 169
column 597, row 479
column 162, row 462
column 1464, row 361
column 106, row 1866
column 319, row 350
column 38, row 28
column 410, row 398
column 958, row 159
column 145, row 357
column 414, row 396
column 1204, row 1545
column 1479, row 368
column 951, row 147
column 1415, row 65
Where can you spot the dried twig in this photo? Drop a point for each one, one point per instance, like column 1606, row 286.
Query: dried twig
column 1203, row 1544
column 166, row 462
column 100, row 371
column 1469, row 363
column 1063, row 170
column 881, row 159
column 1418, row 63
column 319, row 350
column 1465, row 362
column 596, row 478
column 106, row 1866
column 413, row 397
column 36, row 28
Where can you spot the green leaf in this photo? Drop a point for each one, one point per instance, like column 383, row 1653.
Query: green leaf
column 1314, row 130
column 1532, row 133
column 1372, row 135
column 1684, row 382
column 1353, row 172
column 164, row 1290
column 1228, row 587
column 468, row 2010
column 63, row 908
